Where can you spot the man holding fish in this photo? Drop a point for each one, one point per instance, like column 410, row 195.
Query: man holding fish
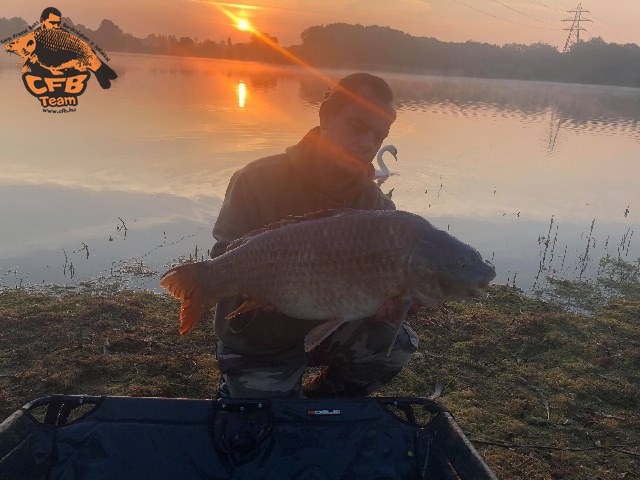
column 330, row 168
column 331, row 289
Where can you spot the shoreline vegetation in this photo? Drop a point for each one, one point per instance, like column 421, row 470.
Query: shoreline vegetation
column 341, row 45
column 541, row 390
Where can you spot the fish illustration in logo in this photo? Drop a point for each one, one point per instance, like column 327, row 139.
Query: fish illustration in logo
column 61, row 53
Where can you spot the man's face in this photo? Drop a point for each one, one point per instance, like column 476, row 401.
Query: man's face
column 53, row 21
column 356, row 132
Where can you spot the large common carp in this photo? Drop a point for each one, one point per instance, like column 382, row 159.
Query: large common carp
column 333, row 266
column 57, row 51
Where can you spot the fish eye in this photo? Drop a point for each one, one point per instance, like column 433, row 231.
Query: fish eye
column 462, row 263
column 30, row 42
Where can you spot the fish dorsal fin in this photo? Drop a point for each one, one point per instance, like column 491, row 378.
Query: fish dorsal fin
column 289, row 220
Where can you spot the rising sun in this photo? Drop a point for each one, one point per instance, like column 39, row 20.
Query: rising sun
column 243, row 24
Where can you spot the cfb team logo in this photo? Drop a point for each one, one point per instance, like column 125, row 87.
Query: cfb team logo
column 57, row 63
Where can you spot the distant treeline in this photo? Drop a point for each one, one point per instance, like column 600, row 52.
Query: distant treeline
column 341, row 45
column 356, row 46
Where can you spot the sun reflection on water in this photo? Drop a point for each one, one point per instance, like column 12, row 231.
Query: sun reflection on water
column 242, row 94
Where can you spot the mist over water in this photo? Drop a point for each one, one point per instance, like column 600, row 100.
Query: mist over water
column 541, row 178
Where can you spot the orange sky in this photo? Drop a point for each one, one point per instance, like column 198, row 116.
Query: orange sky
column 492, row 21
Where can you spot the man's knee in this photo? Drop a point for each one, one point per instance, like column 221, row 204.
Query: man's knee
column 358, row 363
column 264, row 382
column 249, row 376
column 407, row 341
column 378, row 354
column 372, row 339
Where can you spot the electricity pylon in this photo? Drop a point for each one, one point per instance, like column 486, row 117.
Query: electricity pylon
column 575, row 26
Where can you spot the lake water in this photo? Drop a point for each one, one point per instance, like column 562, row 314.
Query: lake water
column 133, row 179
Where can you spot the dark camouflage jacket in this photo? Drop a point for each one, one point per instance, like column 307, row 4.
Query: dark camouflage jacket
column 265, row 191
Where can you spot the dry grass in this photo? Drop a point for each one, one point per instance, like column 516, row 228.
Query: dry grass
column 542, row 392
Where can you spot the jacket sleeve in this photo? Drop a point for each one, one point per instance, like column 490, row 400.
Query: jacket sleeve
column 238, row 215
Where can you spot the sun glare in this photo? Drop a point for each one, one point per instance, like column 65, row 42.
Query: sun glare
column 243, row 24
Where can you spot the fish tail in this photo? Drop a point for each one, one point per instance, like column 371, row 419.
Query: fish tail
column 185, row 283
column 104, row 75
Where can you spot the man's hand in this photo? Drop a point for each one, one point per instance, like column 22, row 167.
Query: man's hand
column 265, row 308
column 391, row 311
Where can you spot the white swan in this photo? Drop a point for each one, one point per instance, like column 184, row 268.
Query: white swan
column 382, row 175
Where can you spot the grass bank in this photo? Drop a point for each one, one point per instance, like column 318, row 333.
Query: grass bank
column 544, row 393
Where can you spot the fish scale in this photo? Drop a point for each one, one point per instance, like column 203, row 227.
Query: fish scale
column 61, row 42
column 335, row 267
column 323, row 272
column 58, row 39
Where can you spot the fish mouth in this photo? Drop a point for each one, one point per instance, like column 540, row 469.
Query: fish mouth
column 479, row 288
column 478, row 291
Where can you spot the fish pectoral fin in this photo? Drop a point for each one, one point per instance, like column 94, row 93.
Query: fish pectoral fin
column 319, row 333
column 247, row 306
column 405, row 305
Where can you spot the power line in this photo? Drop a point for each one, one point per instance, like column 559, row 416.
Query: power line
column 609, row 29
column 502, row 18
column 520, row 12
column 562, row 4
column 547, row 6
